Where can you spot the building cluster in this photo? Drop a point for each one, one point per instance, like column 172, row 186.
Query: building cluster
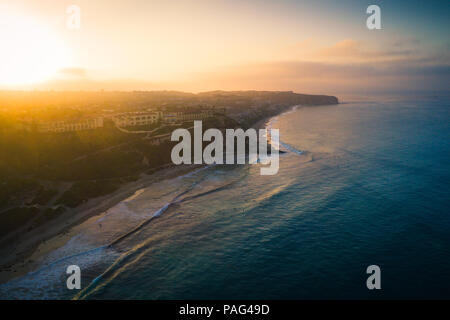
column 128, row 119
column 63, row 125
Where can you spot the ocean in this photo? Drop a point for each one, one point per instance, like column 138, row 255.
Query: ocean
column 361, row 183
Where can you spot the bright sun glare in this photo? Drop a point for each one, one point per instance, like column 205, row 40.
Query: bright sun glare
column 30, row 53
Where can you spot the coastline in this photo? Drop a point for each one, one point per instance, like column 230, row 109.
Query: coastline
column 29, row 252
column 27, row 255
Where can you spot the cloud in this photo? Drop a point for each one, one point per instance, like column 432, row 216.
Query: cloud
column 332, row 78
column 345, row 66
column 351, row 51
column 358, row 51
column 300, row 76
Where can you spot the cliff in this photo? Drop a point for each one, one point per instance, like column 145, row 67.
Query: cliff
column 230, row 98
column 315, row 99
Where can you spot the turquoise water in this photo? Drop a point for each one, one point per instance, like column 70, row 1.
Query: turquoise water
column 371, row 185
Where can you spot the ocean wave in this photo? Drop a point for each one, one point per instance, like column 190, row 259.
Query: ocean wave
column 275, row 119
column 119, row 263
column 291, row 148
column 49, row 282
column 50, row 274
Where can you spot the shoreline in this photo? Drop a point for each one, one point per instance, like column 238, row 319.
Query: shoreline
column 27, row 255
column 32, row 248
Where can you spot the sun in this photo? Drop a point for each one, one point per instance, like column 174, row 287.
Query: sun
column 30, row 53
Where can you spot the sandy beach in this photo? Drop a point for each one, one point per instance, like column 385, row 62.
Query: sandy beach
column 28, row 250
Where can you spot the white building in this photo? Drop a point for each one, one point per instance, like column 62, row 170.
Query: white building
column 187, row 115
column 136, row 119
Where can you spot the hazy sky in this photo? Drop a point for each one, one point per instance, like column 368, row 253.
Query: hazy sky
column 198, row 45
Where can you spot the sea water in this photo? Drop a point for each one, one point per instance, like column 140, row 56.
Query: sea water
column 360, row 184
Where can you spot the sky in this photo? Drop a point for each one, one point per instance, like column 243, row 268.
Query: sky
column 201, row 45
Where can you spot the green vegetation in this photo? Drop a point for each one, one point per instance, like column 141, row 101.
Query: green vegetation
column 48, row 215
column 15, row 218
column 43, row 196
column 147, row 127
column 13, row 188
column 82, row 191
